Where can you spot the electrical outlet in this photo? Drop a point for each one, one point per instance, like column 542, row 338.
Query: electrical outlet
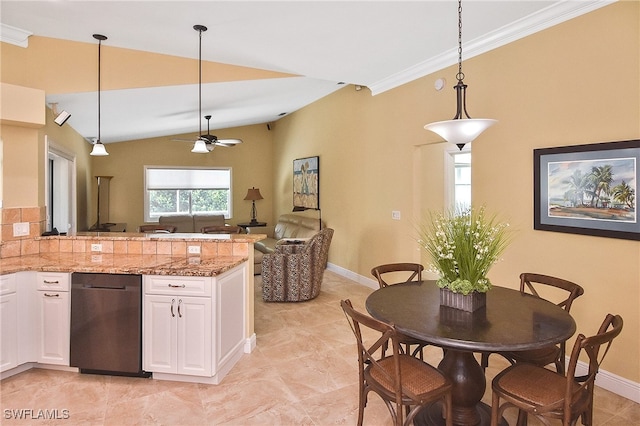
column 194, row 249
column 96, row 247
column 21, row 229
column 395, row 215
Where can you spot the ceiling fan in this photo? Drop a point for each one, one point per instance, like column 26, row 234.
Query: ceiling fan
column 211, row 141
column 205, row 143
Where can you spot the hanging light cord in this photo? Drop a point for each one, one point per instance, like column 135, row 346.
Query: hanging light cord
column 460, row 75
column 99, row 79
column 100, row 38
column 200, row 29
column 200, row 84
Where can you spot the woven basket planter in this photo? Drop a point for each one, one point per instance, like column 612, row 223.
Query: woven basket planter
column 469, row 303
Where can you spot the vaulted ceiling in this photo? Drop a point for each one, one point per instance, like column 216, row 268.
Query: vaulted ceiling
column 261, row 58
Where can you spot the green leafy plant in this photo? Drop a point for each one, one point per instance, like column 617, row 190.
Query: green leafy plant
column 463, row 246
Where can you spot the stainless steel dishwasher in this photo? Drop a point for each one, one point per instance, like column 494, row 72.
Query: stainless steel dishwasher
column 106, row 324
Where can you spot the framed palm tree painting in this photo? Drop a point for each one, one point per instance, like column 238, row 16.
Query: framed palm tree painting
column 588, row 189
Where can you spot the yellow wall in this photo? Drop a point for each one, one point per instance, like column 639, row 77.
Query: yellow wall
column 250, row 162
column 576, row 83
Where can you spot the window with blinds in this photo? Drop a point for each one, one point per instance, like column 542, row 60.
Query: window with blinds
column 179, row 190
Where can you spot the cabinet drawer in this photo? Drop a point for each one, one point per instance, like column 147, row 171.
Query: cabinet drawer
column 7, row 284
column 187, row 286
column 52, row 281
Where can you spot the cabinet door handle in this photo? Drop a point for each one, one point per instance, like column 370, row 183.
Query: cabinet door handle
column 179, row 311
column 177, row 285
column 173, row 301
column 51, row 282
column 51, row 295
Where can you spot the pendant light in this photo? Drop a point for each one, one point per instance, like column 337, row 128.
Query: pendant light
column 200, row 146
column 462, row 129
column 98, row 146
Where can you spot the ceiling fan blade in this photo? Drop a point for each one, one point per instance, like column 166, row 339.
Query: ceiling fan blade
column 229, row 141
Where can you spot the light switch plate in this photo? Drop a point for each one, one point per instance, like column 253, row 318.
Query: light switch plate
column 194, row 249
column 96, row 247
column 395, row 215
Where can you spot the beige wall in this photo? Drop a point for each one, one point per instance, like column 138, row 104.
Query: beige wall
column 576, row 83
column 250, row 163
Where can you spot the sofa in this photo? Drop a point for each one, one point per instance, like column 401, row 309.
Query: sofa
column 289, row 226
column 192, row 222
column 294, row 271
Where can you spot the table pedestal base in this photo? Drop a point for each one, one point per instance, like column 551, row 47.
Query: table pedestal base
column 432, row 415
column 469, row 384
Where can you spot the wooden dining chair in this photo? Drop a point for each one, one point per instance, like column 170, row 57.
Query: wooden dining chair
column 405, row 383
column 221, row 229
column 162, row 229
column 409, row 272
column 531, row 283
column 547, row 394
column 414, row 271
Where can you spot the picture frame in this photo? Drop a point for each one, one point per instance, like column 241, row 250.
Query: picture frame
column 588, row 189
column 306, row 183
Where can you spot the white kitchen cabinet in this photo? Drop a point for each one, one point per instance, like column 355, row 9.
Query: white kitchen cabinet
column 177, row 335
column 193, row 327
column 53, row 318
column 8, row 322
column 177, row 330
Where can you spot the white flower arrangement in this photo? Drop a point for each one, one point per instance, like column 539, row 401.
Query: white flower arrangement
column 463, row 246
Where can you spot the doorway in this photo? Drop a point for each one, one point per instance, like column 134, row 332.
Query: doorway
column 60, row 189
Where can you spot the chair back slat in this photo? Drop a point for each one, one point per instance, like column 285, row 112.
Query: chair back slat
column 591, row 346
column 529, row 281
column 414, row 269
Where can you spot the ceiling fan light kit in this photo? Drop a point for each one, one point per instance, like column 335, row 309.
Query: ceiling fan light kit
column 462, row 129
column 98, row 147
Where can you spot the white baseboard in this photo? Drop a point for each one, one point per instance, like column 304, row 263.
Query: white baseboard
column 606, row 380
column 613, row 383
column 250, row 344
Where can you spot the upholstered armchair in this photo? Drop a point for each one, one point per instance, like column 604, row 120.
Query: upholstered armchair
column 293, row 272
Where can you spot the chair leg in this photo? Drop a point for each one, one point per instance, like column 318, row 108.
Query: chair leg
column 495, row 406
column 484, row 360
column 522, row 418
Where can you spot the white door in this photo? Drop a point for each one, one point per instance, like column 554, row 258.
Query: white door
column 160, row 333
column 194, row 336
column 53, row 329
column 9, row 331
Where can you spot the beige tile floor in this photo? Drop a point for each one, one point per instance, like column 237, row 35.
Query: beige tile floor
column 302, row 372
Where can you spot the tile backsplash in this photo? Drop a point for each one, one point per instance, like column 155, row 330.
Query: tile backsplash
column 33, row 219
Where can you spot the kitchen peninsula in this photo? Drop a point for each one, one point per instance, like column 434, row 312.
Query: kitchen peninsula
column 210, row 275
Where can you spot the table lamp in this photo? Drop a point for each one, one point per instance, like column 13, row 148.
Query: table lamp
column 253, row 194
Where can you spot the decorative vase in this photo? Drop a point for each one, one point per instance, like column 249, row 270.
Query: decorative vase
column 469, row 302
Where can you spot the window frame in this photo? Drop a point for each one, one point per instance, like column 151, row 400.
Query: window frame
column 149, row 219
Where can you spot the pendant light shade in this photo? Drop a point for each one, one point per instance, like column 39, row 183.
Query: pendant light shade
column 98, row 146
column 98, row 150
column 462, row 129
column 200, row 147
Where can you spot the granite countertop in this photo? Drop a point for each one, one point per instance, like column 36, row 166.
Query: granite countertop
column 233, row 238
column 144, row 264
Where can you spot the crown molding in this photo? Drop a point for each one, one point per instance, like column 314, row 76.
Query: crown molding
column 545, row 18
column 13, row 35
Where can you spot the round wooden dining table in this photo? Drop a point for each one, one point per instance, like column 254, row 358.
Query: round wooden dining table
column 510, row 321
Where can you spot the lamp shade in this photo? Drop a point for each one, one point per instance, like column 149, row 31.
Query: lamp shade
column 253, row 194
column 99, row 150
column 461, row 131
column 200, row 147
